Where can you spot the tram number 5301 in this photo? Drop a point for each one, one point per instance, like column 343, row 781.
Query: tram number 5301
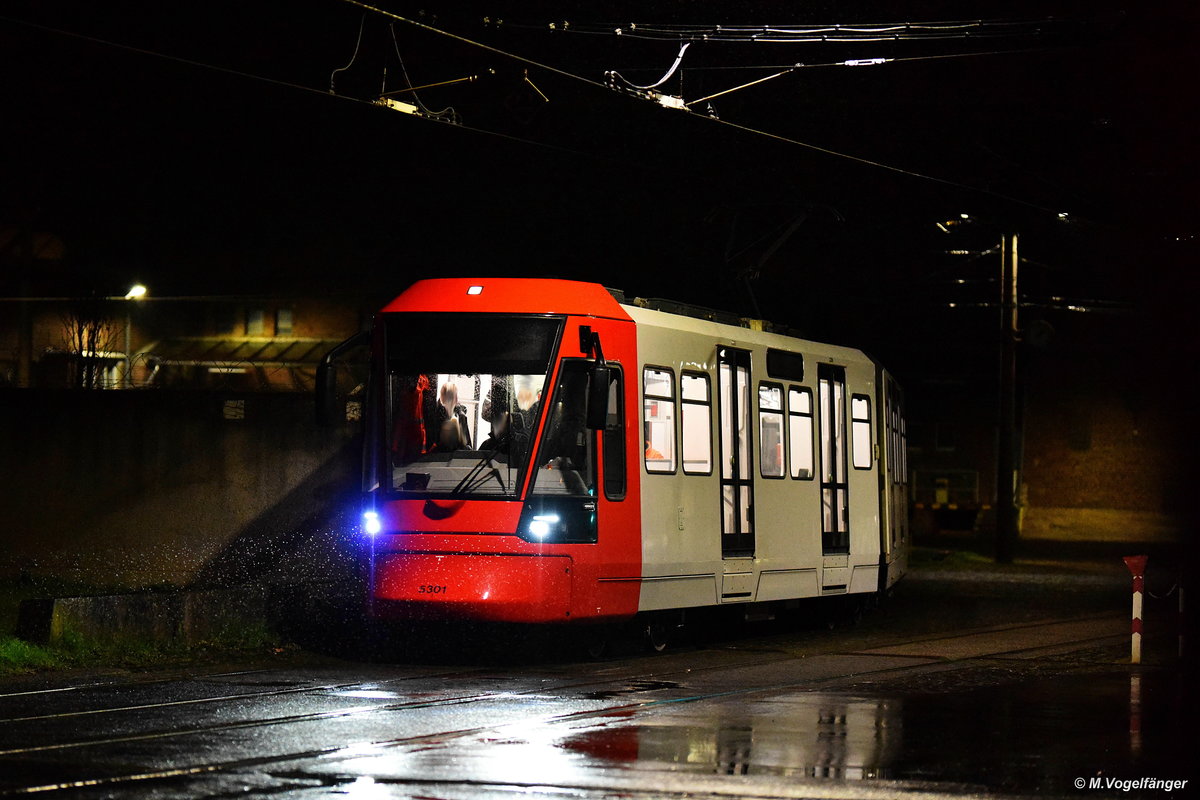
column 431, row 589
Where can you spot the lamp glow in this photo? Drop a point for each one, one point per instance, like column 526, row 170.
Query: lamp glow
column 136, row 292
column 541, row 525
column 473, row 290
column 371, row 523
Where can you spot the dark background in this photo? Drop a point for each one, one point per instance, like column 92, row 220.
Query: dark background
column 199, row 150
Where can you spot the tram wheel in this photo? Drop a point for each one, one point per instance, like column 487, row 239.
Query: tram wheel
column 656, row 635
column 595, row 643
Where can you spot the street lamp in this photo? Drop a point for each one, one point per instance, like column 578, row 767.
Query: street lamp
column 136, row 292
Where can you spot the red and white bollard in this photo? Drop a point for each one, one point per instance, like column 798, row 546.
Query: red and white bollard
column 1137, row 566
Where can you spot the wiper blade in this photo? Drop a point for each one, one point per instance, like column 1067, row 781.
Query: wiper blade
column 484, row 469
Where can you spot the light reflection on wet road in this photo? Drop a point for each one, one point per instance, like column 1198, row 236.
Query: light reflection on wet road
column 1024, row 708
column 1028, row 738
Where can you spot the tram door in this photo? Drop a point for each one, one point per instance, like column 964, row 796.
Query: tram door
column 897, row 466
column 737, row 490
column 835, row 495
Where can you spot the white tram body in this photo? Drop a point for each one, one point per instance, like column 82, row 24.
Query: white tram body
column 686, row 511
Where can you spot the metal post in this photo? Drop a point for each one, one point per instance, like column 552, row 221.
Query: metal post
column 1006, row 482
column 128, row 381
column 1137, row 567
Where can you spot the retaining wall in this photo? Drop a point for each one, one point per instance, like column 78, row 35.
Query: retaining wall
column 127, row 489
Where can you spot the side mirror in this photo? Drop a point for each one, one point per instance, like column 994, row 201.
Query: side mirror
column 597, row 400
column 328, row 412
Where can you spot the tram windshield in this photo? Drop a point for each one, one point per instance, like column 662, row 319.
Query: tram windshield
column 463, row 399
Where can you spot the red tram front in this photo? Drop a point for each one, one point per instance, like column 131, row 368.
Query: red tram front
column 493, row 496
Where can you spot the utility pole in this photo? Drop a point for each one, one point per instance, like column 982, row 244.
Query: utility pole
column 1006, row 471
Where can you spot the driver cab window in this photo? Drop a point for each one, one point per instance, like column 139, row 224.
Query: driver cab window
column 567, row 459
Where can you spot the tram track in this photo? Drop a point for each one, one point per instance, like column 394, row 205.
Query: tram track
column 648, row 677
column 202, row 677
column 49, row 690
column 250, row 695
column 316, row 716
column 619, row 680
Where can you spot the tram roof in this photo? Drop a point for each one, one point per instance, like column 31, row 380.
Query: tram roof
column 745, row 333
column 556, row 296
column 508, row 296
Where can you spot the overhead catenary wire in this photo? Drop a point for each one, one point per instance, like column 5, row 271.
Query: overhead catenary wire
column 281, row 83
column 357, row 44
column 799, row 34
column 785, row 69
column 516, row 57
column 474, row 43
column 712, row 119
column 739, row 88
column 447, row 113
column 859, row 62
column 664, row 78
column 169, row 57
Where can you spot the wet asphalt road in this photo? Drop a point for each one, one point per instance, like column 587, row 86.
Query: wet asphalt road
column 964, row 685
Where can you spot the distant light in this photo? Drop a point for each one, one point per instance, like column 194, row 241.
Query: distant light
column 371, row 523
column 136, row 292
column 474, row 290
column 1063, row 215
column 965, row 216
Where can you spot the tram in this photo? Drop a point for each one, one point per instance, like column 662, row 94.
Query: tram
column 551, row 452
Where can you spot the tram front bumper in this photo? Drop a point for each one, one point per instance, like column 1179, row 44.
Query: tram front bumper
column 483, row 587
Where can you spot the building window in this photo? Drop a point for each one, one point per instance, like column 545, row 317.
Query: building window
column 255, row 321
column 860, row 430
column 770, row 430
column 800, row 433
column 283, row 322
column 697, row 423
column 658, row 393
column 225, row 321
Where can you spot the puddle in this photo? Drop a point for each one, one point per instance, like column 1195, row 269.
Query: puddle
column 634, row 687
column 1037, row 736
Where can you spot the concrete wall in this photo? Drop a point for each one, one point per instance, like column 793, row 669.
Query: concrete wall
column 140, row 488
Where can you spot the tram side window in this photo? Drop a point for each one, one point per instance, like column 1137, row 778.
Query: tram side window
column 697, row 423
column 860, row 430
column 614, row 438
column 658, row 398
column 770, row 430
column 800, row 432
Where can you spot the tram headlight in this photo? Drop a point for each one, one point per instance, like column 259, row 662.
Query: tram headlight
column 543, row 526
column 371, row 523
column 559, row 520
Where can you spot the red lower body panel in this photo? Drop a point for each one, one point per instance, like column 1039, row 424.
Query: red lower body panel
column 473, row 586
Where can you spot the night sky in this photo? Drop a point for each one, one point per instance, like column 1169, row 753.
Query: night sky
column 198, row 149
